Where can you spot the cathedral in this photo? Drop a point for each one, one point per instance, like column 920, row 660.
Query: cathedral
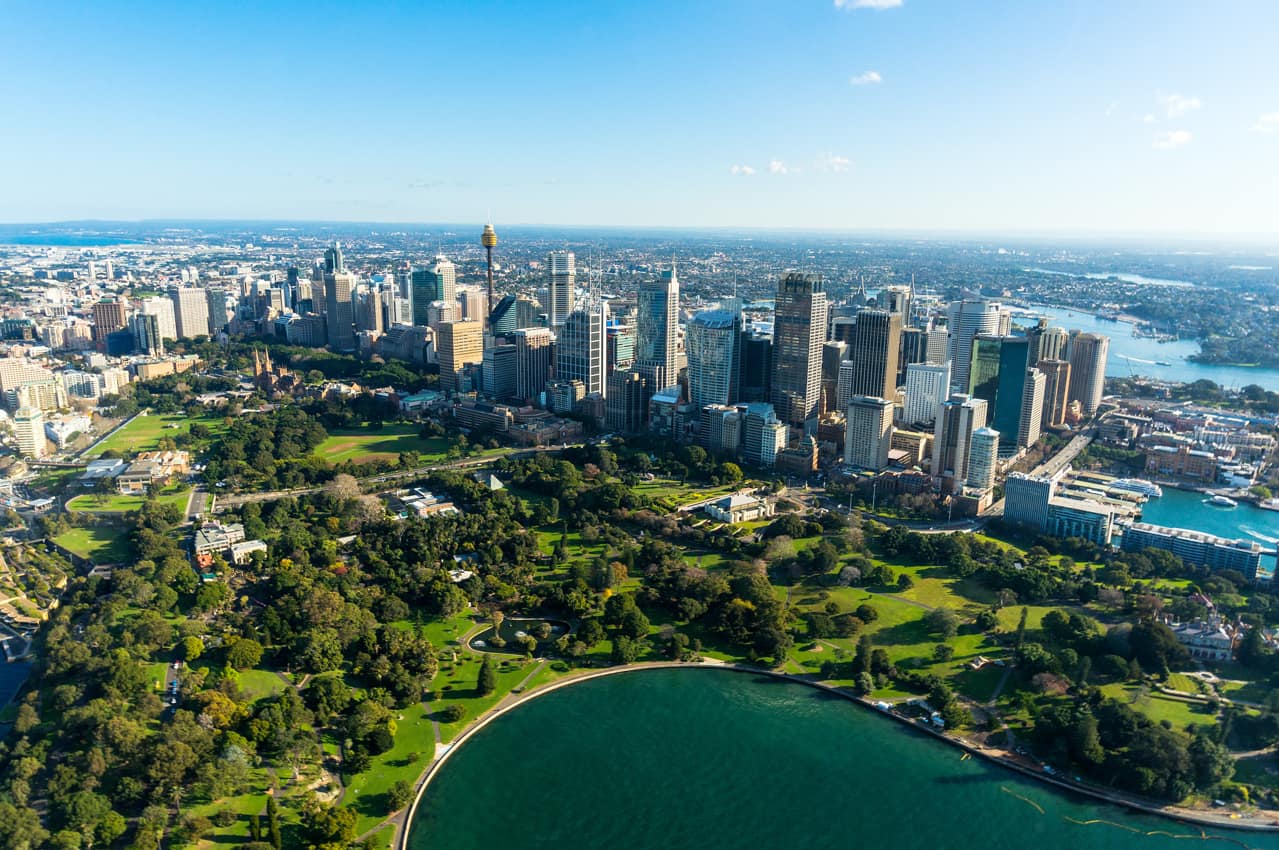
column 273, row 379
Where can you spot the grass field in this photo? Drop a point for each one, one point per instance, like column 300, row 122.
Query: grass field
column 115, row 503
column 1158, row 707
column 365, row 446
column 101, row 545
column 144, row 433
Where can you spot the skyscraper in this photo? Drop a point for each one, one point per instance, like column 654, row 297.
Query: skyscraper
column 959, row 417
column 561, row 283
column 146, row 334
column 503, row 316
column 983, row 459
column 1056, row 391
column 436, row 282
column 339, row 309
column 869, row 433
column 712, row 340
column 333, row 261
column 1046, row 343
column 1088, row 369
column 165, row 316
column 966, row 319
column 799, row 329
column 657, row 331
column 191, row 311
column 580, row 348
column 458, row 345
column 626, row 404
column 489, row 240
column 927, row 387
column 873, row 352
column 109, row 316
column 533, row 350
column 28, row 430
column 217, row 303
column 500, row 367
column 1032, row 407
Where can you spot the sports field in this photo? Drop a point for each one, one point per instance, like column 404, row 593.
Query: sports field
column 364, row 446
column 143, row 433
column 102, row 545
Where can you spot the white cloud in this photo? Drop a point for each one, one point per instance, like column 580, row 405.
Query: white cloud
column 833, row 162
column 1268, row 123
column 742, row 170
column 776, row 166
column 867, row 4
column 1176, row 105
column 865, row 78
column 1172, row 140
column 1149, row 118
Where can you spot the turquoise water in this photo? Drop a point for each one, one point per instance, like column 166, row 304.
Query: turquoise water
column 717, row 760
column 1130, row 355
column 1186, row 509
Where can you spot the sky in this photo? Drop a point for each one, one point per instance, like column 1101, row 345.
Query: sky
column 1018, row 116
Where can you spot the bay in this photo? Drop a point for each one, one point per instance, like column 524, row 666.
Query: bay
column 717, row 760
column 1187, row 509
column 1132, row 356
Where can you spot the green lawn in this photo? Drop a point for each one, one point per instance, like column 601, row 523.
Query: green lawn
column 145, row 432
column 364, row 446
column 102, row 545
column 114, row 503
column 1157, row 707
column 259, row 684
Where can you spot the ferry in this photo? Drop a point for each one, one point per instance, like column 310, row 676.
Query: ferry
column 1149, row 489
column 1222, row 501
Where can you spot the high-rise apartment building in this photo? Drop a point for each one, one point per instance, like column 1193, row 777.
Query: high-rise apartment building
column 1056, row 391
column 109, row 316
column 799, row 329
column 869, row 433
column 580, row 348
column 146, row 334
column 217, row 304
column 561, row 285
column 763, row 434
column 1031, row 413
column 712, row 340
column 436, row 282
column 458, row 345
column 1087, row 355
column 983, row 459
column 499, row 370
column 966, row 319
column 28, row 430
column 1046, row 343
column 165, row 317
column 927, row 388
column 533, row 350
column 959, row 417
column 190, row 311
column 657, row 331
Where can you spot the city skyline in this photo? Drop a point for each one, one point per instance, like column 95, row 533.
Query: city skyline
column 914, row 118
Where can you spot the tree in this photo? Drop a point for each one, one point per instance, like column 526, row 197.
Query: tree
column 865, row 684
column 192, row 648
column 399, row 795
column 244, row 654
column 452, row 713
column 943, row 652
column 486, row 682
column 942, row 622
column 273, row 822
column 343, row 487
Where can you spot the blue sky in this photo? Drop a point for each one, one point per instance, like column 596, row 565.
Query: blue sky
column 1016, row 115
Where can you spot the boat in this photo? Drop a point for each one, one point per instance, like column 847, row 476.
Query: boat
column 1149, row 489
column 1162, row 363
column 1222, row 501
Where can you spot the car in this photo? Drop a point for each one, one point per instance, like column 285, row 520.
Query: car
column 173, row 701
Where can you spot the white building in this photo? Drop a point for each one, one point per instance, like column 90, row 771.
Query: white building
column 28, row 430
column 739, row 508
column 869, row 433
column 166, row 319
column 927, row 388
column 983, row 459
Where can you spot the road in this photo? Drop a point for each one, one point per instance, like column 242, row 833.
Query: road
column 1051, row 466
column 196, row 502
column 221, row 503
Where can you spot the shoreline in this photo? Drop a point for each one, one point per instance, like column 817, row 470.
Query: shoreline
column 998, row 757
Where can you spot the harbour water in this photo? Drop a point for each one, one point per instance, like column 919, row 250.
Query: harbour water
column 1187, row 509
column 716, row 760
column 1132, row 355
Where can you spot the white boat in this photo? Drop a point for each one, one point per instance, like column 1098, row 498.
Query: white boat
column 1222, row 501
column 1146, row 488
